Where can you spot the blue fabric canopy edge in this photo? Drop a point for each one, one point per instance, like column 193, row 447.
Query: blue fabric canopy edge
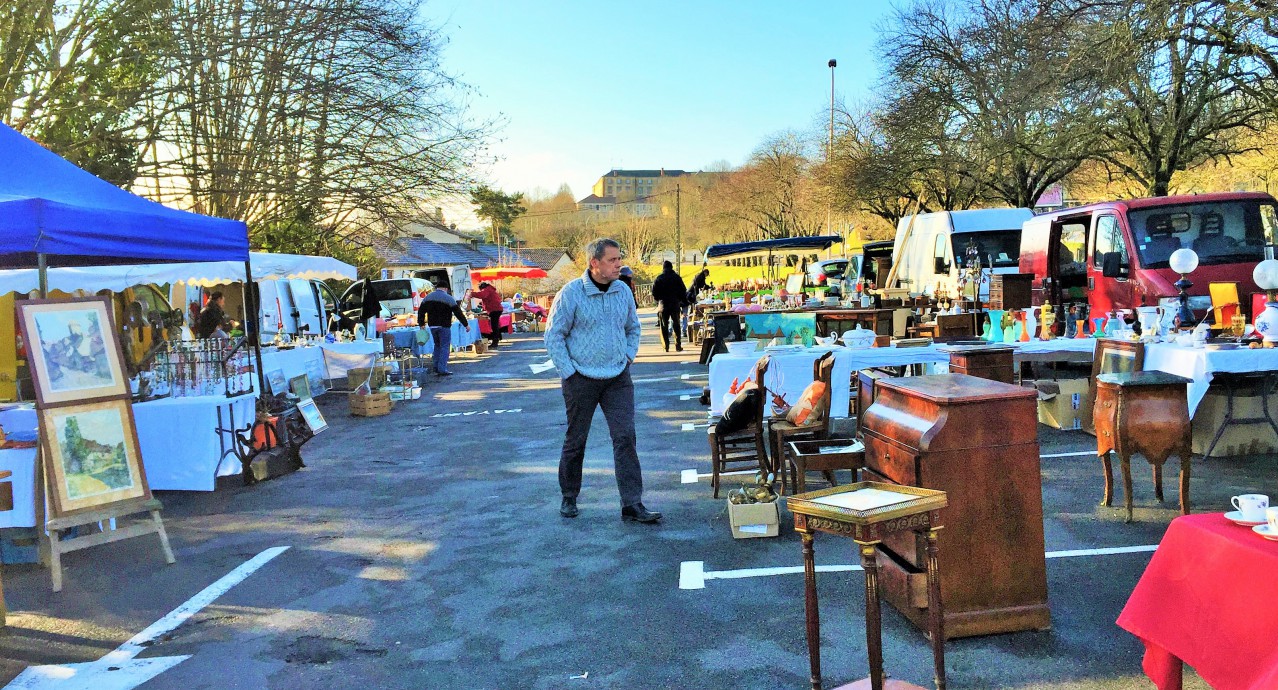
column 719, row 251
column 50, row 206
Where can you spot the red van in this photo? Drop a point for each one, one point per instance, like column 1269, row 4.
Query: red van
column 1114, row 255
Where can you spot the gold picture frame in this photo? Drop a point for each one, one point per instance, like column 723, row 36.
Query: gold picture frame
column 91, row 456
column 72, row 350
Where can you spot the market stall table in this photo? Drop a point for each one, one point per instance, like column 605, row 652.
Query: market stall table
column 1206, row 600
column 461, row 337
column 334, row 359
column 1200, row 364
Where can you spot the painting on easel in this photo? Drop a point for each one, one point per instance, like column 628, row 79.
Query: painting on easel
column 73, row 350
column 92, row 456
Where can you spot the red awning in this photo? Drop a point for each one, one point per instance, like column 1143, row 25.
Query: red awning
column 498, row 272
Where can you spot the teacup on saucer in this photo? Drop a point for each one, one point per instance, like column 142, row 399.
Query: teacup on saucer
column 1264, row 531
column 1237, row 518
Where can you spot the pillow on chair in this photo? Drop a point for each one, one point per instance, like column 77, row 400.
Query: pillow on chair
column 742, row 412
column 811, row 406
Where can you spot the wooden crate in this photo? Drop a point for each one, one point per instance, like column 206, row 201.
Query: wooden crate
column 371, row 405
column 357, row 376
column 1011, row 290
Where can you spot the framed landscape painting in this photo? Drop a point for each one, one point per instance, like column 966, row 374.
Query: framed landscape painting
column 91, row 456
column 310, row 412
column 72, row 350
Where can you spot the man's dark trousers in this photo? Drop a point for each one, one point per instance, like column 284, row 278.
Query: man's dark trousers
column 617, row 398
column 668, row 317
column 494, row 323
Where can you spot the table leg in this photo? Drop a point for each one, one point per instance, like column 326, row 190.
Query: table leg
column 1158, row 481
column 936, row 610
column 873, row 615
column 1184, row 482
column 1126, row 460
column 800, row 476
column 810, row 609
column 1107, row 499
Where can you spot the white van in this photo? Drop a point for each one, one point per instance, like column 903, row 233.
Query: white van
column 397, row 296
column 293, row 307
column 930, row 248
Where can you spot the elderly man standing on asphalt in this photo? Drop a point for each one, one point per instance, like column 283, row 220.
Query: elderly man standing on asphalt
column 592, row 337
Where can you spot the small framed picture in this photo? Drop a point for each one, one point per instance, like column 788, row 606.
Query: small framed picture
column 73, row 350
column 315, row 376
column 275, row 379
column 301, row 386
column 310, row 412
column 92, row 456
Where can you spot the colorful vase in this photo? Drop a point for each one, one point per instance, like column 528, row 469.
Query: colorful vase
column 1018, row 327
column 1267, row 322
column 996, row 325
column 1049, row 320
column 1098, row 326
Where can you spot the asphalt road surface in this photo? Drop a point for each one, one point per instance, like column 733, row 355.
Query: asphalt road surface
column 425, row 550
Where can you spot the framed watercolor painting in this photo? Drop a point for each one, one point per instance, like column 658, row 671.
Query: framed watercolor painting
column 310, row 412
column 300, row 386
column 72, row 350
column 91, row 456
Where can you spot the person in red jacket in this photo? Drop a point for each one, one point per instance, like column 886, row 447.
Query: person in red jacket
column 490, row 300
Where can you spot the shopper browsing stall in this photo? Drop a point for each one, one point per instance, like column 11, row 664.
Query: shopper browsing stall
column 592, row 338
column 213, row 322
column 669, row 292
column 490, row 300
column 436, row 312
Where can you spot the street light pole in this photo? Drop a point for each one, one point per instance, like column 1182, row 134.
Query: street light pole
column 829, row 147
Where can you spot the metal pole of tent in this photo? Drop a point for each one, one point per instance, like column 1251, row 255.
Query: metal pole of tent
column 257, row 331
column 42, row 268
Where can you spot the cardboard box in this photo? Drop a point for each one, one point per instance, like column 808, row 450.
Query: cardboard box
column 481, row 346
column 371, row 405
column 750, row 520
column 357, row 376
column 1064, row 404
column 1238, row 439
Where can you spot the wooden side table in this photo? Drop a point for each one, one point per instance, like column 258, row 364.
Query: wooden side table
column 982, row 361
column 824, row 455
column 867, row 512
column 1144, row 412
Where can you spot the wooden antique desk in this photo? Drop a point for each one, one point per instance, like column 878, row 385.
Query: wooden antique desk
column 976, row 440
column 983, row 361
column 1142, row 412
column 868, row 512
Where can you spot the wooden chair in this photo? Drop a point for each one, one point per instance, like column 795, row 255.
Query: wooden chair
column 781, row 432
column 744, row 449
column 1112, row 357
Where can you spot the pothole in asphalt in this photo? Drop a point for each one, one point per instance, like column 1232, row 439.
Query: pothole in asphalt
column 319, row 650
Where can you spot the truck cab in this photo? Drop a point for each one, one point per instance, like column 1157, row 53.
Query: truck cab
column 1114, row 255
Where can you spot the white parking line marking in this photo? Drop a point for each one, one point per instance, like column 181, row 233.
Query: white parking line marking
column 1069, row 455
column 691, row 476
column 118, row 669
column 685, row 377
column 685, row 397
column 693, row 575
column 689, row 426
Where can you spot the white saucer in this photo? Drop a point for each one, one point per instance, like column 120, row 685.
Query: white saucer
column 1235, row 517
column 1264, row 531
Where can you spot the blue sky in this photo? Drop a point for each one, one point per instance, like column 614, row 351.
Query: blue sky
column 584, row 87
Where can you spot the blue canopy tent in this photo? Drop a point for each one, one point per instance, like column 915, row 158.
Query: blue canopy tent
column 51, row 207
column 53, row 211
column 737, row 249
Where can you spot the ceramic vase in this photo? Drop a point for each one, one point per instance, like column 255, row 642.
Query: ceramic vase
column 1150, row 319
column 1098, row 326
column 1080, row 328
column 1018, row 327
column 985, row 332
column 1031, row 326
column 1049, row 320
column 1267, row 322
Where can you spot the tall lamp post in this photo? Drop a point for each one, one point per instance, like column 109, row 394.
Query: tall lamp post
column 829, row 147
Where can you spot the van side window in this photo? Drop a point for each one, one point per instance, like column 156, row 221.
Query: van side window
column 1109, row 238
column 942, row 263
column 1072, row 253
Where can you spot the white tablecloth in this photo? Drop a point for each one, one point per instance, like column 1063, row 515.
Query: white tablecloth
column 1201, row 364
column 333, row 358
column 792, row 372
column 178, row 440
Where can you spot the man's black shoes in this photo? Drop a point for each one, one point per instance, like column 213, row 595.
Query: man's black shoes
column 638, row 513
column 568, row 508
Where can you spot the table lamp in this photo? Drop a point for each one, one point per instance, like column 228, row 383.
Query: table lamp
column 1184, row 261
column 1266, row 276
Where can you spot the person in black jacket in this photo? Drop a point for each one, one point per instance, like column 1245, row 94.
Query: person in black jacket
column 436, row 311
column 669, row 292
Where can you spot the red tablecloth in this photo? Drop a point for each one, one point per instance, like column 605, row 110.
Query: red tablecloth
column 485, row 328
column 1209, row 598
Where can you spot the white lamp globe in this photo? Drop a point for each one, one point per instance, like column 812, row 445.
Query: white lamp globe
column 1266, row 274
column 1183, row 261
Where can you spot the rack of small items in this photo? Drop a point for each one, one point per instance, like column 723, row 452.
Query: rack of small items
column 185, row 368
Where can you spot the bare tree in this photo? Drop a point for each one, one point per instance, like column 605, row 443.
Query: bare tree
column 772, row 196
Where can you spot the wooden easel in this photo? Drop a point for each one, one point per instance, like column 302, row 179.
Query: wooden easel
column 52, row 546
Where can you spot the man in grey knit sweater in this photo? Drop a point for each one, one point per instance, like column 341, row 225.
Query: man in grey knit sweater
column 592, row 338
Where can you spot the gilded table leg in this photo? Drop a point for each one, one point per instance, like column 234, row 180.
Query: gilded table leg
column 873, row 615
column 1158, row 480
column 1108, row 498
column 810, row 609
column 1184, row 482
column 1126, row 460
column 936, row 610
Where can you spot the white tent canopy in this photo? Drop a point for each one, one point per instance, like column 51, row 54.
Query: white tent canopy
column 116, row 278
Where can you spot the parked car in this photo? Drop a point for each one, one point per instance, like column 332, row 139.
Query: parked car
column 831, row 274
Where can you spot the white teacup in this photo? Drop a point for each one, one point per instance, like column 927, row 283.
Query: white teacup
column 1271, row 516
column 1252, row 507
